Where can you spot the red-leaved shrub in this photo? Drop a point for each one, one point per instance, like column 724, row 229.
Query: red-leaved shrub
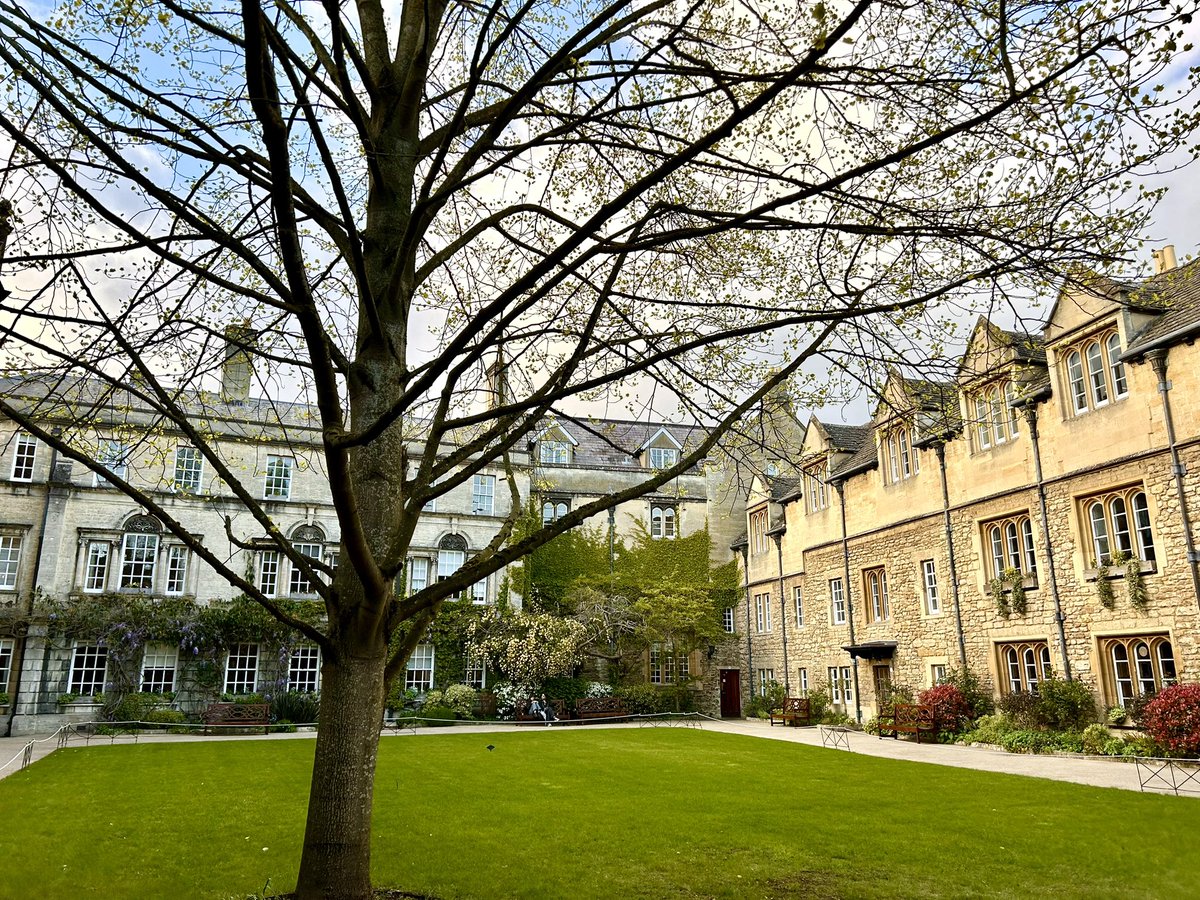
column 1172, row 719
column 950, row 709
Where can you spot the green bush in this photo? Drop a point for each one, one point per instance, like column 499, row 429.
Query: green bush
column 976, row 692
column 1096, row 739
column 760, row 705
column 459, row 698
column 296, row 706
column 818, row 703
column 1065, row 705
column 990, row 729
column 643, row 698
column 564, row 688
column 1068, row 741
column 1020, row 708
column 1025, row 740
column 164, row 717
column 436, row 714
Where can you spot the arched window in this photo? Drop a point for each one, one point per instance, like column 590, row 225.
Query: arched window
column 1013, row 415
column 996, row 414
column 139, row 553
column 1011, row 544
column 554, row 509
column 1095, row 365
column 308, row 541
column 893, row 458
column 983, row 426
column 1137, row 666
column 452, row 554
column 662, row 520
column 1113, row 530
column 1025, row 665
column 1116, row 368
column 1075, row 376
column 905, row 460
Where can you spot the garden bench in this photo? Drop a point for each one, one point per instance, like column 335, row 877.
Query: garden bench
column 600, row 708
column 907, row 718
column 524, row 715
column 793, row 712
column 237, row 714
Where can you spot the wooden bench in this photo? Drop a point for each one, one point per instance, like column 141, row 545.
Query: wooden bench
column 237, row 714
column 589, row 708
column 907, row 718
column 524, row 715
column 793, row 712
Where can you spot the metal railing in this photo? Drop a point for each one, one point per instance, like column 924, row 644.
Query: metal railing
column 1159, row 774
column 836, row 737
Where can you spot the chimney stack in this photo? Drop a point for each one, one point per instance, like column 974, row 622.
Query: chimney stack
column 1164, row 259
column 237, row 369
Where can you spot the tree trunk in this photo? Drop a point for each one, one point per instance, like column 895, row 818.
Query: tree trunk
column 336, row 862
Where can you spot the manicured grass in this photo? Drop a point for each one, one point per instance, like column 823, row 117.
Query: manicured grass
column 589, row 813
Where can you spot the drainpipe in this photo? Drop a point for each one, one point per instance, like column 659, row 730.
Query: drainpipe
column 1059, row 619
column 940, row 449
column 778, row 536
column 840, row 487
column 1158, row 361
column 749, row 640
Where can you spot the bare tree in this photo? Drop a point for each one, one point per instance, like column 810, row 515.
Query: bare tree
column 602, row 199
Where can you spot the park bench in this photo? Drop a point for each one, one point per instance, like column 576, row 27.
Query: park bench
column 524, row 715
column 793, row 712
column 907, row 718
column 237, row 714
column 589, row 708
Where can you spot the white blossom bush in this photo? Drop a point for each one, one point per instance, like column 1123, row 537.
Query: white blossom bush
column 508, row 695
column 528, row 648
column 597, row 689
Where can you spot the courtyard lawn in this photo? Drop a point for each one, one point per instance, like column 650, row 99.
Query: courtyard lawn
column 588, row 813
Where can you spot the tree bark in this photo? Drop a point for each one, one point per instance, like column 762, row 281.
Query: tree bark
column 336, row 862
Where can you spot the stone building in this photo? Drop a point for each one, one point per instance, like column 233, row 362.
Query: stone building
column 1031, row 516
column 67, row 532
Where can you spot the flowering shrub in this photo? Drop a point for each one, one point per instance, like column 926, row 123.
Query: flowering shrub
column 508, row 695
column 950, row 709
column 528, row 647
column 460, row 698
column 1172, row 719
column 597, row 689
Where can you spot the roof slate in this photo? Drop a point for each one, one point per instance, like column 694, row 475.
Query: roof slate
column 1177, row 293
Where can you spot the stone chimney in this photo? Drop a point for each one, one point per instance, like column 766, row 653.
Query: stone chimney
column 237, row 369
column 497, row 381
column 1164, row 259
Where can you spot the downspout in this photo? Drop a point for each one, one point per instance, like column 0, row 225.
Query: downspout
column 778, row 536
column 840, row 487
column 940, row 449
column 1059, row 618
column 19, row 645
column 749, row 640
column 1158, row 361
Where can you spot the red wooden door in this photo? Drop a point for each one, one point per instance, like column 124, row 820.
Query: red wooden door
column 731, row 693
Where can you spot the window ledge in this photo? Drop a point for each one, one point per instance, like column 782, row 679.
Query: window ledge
column 1118, row 571
column 1029, row 583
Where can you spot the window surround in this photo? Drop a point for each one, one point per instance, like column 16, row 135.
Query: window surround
column 1134, row 666
column 1093, row 373
column 929, row 584
column 727, row 620
column 798, row 604
column 277, row 481
column 994, row 421
column 758, row 532
column 667, row 666
column 24, row 457
column 89, row 669
column 875, row 593
column 241, row 669
column 816, row 489
column 762, row 613
column 159, row 665
column 418, row 673
column 837, row 602
column 10, row 559
column 188, row 476
column 1117, row 522
column 664, row 520
column 899, row 456
column 554, row 508
column 483, row 495
column 1023, row 665
column 1008, row 544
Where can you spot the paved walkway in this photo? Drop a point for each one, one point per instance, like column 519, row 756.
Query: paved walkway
column 1082, row 770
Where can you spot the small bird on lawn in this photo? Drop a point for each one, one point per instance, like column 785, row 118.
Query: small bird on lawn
column 491, row 747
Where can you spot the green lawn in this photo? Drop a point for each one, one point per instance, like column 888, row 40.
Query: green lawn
column 589, row 813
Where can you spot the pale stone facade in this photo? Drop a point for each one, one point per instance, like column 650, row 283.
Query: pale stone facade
column 64, row 531
column 907, row 587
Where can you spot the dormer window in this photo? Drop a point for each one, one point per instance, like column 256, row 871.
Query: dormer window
column 815, row 488
column 661, row 451
column 663, row 457
column 555, row 447
column 995, row 418
column 900, row 457
column 1094, row 372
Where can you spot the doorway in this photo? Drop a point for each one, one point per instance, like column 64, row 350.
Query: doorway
column 731, row 693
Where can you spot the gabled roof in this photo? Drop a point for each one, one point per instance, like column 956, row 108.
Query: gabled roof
column 617, row 444
column 1177, row 293
column 864, row 459
column 846, row 438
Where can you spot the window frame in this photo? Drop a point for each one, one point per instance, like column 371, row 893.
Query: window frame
column 554, row 453
column 659, row 458
column 11, row 546
column 97, row 566
column 838, row 610
column 175, row 580
column 483, row 495
column 1008, row 544
column 875, row 591
column 277, row 477
column 798, row 604
column 1095, row 375
column 24, row 460
column 89, row 669
column 188, row 476
column 160, row 666
column 929, row 585
column 1138, row 676
column 241, row 662
column 417, row 677
column 1018, row 660
column 1107, row 516
column 664, row 521
column 113, row 454
column 762, row 613
column 139, row 566
column 304, row 669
